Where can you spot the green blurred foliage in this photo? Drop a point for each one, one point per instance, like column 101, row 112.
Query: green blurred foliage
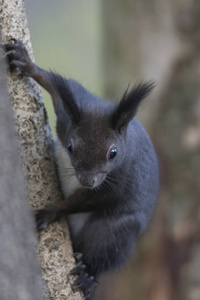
column 66, row 38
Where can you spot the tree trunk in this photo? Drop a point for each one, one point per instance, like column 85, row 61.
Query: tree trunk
column 20, row 278
column 174, row 253
column 36, row 149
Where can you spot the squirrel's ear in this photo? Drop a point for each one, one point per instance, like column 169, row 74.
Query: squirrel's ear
column 127, row 107
column 66, row 97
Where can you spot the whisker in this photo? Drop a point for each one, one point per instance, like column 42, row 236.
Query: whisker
column 67, row 171
column 113, row 182
column 112, row 186
column 120, row 177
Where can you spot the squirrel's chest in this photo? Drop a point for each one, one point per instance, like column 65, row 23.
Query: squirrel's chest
column 69, row 184
column 68, row 180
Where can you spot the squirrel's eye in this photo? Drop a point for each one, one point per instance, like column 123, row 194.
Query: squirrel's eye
column 113, row 153
column 69, row 147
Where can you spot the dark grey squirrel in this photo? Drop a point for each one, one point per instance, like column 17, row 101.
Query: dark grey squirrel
column 108, row 170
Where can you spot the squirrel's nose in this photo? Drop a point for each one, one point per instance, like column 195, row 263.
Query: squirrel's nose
column 87, row 179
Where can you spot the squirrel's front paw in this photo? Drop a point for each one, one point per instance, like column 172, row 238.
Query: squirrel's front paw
column 18, row 57
column 44, row 217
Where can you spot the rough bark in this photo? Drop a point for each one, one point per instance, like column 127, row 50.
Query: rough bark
column 161, row 40
column 36, row 150
column 20, row 278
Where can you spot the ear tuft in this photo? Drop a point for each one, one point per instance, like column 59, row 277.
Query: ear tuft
column 128, row 106
column 69, row 103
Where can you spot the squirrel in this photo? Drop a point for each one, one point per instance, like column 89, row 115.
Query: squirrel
column 107, row 166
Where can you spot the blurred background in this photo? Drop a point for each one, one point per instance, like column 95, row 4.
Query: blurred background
column 105, row 45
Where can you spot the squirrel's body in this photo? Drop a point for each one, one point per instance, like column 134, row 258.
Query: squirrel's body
column 107, row 166
column 70, row 185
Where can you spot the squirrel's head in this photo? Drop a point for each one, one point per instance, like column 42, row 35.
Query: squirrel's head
column 93, row 132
